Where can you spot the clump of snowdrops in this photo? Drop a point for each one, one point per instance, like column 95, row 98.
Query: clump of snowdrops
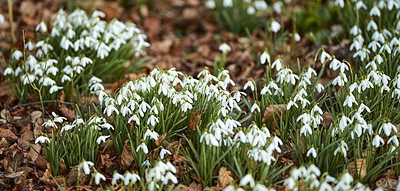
column 238, row 16
column 71, row 51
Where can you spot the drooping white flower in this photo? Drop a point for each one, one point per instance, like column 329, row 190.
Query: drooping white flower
column 377, row 141
column 131, row 178
column 247, row 180
column 277, row 64
column 210, row 4
column 163, row 152
column 98, row 177
column 227, row 3
column 143, row 147
column 102, row 139
column 41, row 26
column 265, row 57
column 275, row 26
column 86, row 166
column 224, row 48
column 42, row 139
column 16, row 55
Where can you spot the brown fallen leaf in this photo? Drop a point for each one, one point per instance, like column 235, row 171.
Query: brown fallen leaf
column 225, row 178
column 272, row 113
column 4, row 143
column 37, row 128
column 67, row 112
column 63, row 167
column 194, row 187
column 47, row 176
column 33, row 153
column 126, row 156
column 161, row 138
column 194, row 121
column 361, row 169
column 8, row 134
column 25, row 139
column 74, row 174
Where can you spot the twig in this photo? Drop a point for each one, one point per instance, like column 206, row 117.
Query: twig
column 10, row 15
column 38, row 102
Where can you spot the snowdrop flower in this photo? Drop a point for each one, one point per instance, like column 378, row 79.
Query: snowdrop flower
column 250, row 84
column 131, row 177
column 209, row 138
column 297, row 37
column 103, row 51
column 248, row 179
column 224, row 48
column 387, row 128
column 227, row 3
column 1, row 19
column 275, row 26
column 152, row 134
column 377, row 141
column 210, row 4
column 342, row 148
column 143, row 147
column 102, row 139
column 277, row 64
column 251, row 10
column 17, row 55
column 375, row 12
column 55, row 89
column 290, row 104
column 350, row 99
column 265, row 57
column 313, row 152
column 325, row 56
column 110, row 109
column 42, row 139
column 98, row 177
column 163, row 152
column 255, row 107
column 319, row 87
column 8, row 71
column 41, row 26
column 394, row 140
column 134, row 118
column 86, row 166
column 152, row 120
column 260, row 5
column 116, row 177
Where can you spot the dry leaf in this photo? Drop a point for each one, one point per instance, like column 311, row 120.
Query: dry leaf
column 4, row 143
column 24, row 140
column 5, row 114
column 126, row 156
column 194, row 121
column 225, row 177
column 35, row 115
column 63, row 167
column 67, row 112
column 272, row 113
column 33, row 153
column 161, row 138
column 8, row 134
column 194, row 187
column 361, row 168
column 47, row 176
column 37, row 128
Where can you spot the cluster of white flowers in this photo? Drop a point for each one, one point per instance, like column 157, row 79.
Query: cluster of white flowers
column 161, row 172
column 310, row 178
column 249, row 181
column 76, row 42
column 253, row 6
column 375, row 45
